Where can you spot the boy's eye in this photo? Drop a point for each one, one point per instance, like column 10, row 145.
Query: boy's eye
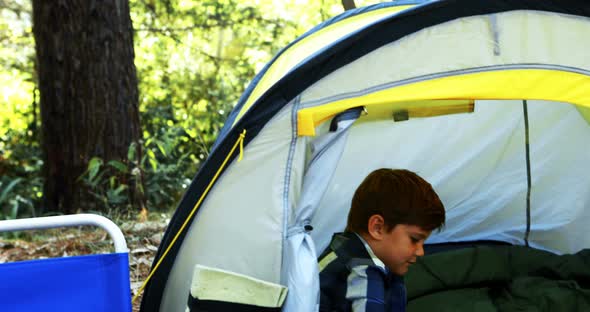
column 414, row 239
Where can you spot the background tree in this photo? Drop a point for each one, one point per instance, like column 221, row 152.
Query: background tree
column 88, row 98
column 194, row 58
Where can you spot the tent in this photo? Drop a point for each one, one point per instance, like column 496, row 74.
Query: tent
column 487, row 100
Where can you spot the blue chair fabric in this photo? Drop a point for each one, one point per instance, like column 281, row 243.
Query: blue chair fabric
column 92, row 283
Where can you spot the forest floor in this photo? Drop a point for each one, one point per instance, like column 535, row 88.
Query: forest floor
column 143, row 239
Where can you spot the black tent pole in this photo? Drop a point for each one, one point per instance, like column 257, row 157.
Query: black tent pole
column 528, row 173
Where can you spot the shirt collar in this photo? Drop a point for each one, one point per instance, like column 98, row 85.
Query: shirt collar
column 376, row 260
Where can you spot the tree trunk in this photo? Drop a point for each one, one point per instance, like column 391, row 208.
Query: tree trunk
column 348, row 5
column 88, row 94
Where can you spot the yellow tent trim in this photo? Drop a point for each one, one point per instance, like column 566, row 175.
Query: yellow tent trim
column 309, row 45
column 423, row 108
column 507, row 84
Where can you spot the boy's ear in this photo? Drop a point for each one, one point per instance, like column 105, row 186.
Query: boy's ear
column 376, row 227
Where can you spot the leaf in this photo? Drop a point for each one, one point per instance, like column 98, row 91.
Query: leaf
column 139, row 187
column 93, row 167
column 152, row 159
column 161, row 148
column 114, row 195
column 7, row 190
column 154, row 164
column 15, row 208
column 98, row 180
column 131, row 152
column 120, row 189
column 119, row 166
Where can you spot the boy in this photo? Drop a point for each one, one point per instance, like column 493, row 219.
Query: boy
column 392, row 213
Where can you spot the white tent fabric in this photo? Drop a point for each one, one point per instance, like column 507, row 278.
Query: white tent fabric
column 480, row 172
column 560, row 202
column 245, row 206
column 300, row 266
column 476, row 42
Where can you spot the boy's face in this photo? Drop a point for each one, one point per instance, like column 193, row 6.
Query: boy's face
column 399, row 247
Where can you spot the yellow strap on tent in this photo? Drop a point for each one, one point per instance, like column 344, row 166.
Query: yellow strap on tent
column 239, row 142
column 241, row 139
column 506, row 84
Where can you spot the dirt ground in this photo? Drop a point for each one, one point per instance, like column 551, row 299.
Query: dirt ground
column 143, row 239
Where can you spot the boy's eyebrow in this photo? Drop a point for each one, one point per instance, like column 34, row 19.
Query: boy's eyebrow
column 419, row 235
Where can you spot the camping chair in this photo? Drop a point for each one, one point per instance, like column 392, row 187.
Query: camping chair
column 80, row 283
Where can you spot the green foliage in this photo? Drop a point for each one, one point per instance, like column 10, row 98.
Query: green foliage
column 194, row 58
column 20, row 174
column 16, row 65
column 165, row 164
column 105, row 184
column 20, row 156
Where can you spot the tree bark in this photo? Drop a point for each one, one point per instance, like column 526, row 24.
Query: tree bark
column 88, row 94
column 348, row 5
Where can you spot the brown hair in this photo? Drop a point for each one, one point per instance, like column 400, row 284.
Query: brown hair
column 400, row 197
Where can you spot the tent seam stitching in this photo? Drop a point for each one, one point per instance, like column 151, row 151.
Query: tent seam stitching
column 287, row 181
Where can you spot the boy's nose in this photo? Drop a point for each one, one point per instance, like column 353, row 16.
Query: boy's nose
column 420, row 250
